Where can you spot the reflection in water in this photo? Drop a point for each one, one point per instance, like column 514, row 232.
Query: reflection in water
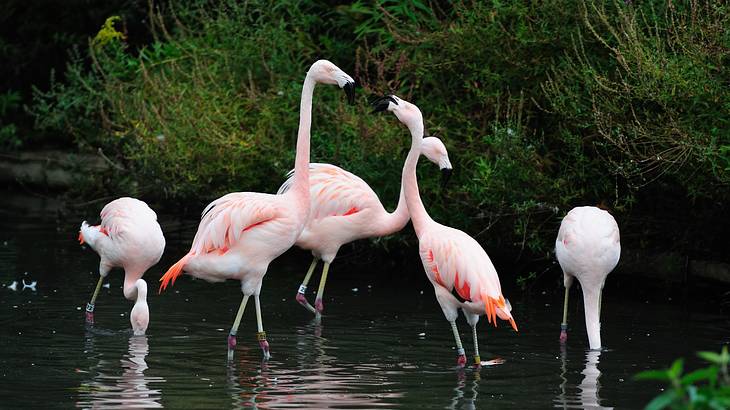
column 460, row 399
column 318, row 379
column 587, row 398
column 130, row 389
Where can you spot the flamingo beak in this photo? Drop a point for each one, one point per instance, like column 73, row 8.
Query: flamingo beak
column 381, row 104
column 350, row 91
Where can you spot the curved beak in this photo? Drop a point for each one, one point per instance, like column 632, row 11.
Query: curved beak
column 381, row 104
column 350, row 91
column 445, row 176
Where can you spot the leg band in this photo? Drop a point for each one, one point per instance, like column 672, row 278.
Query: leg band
column 260, row 336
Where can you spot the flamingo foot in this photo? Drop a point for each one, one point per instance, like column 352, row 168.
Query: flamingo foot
column 461, row 360
column 231, row 346
column 563, row 333
column 261, row 336
column 89, row 314
column 492, row 362
column 303, row 299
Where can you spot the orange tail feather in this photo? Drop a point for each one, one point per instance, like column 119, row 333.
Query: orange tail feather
column 81, row 238
column 174, row 271
column 514, row 325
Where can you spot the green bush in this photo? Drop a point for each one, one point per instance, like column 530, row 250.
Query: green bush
column 705, row 388
column 543, row 105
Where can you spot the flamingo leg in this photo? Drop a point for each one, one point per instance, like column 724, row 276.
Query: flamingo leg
column 234, row 328
column 90, row 305
column 477, row 358
column 461, row 359
column 318, row 304
column 301, row 297
column 564, row 325
column 261, row 335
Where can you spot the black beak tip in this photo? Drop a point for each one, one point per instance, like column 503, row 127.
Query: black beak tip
column 350, row 91
column 381, row 104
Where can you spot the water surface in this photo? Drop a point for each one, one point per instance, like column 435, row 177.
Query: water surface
column 383, row 342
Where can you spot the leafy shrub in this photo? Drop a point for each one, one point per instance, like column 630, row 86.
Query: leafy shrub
column 705, row 388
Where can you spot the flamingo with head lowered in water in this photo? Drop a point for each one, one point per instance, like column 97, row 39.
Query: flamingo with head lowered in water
column 588, row 247
column 453, row 260
column 242, row 232
column 343, row 209
column 128, row 237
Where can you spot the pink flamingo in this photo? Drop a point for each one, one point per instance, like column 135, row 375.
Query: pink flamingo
column 129, row 237
column 588, row 248
column 452, row 259
column 344, row 208
column 242, row 232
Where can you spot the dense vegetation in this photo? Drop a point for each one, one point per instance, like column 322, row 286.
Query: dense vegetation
column 543, row 106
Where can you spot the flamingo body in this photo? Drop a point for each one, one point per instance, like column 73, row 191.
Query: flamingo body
column 241, row 233
column 343, row 209
column 588, row 248
column 453, row 260
column 129, row 237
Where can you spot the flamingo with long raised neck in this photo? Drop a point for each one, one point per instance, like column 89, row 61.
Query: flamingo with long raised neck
column 128, row 237
column 343, row 209
column 588, row 247
column 242, row 232
column 453, row 260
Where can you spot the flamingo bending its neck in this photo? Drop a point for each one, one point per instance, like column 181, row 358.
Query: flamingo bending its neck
column 588, row 247
column 453, row 260
column 242, row 232
column 343, row 209
column 128, row 237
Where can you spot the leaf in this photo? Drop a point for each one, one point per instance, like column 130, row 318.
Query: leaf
column 661, row 401
column 676, row 369
column 711, row 357
column 709, row 373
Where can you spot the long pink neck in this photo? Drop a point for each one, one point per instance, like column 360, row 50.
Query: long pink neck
column 395, row 221
column 300, row 187
column 419, row 216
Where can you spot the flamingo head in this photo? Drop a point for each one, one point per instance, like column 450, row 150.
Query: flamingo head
column 406, row 112
column 324, row 72
column 435, row 150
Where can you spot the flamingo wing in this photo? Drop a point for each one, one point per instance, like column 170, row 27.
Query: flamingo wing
column 116, row 215
column 335, row 192
column 225, row 219
column 456, row 261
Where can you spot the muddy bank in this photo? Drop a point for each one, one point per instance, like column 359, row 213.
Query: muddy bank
column 50, row 169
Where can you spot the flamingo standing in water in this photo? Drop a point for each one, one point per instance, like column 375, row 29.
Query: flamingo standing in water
column 588, row 247
column 129, row 237
column 242, row 232
column 452, row 259
column 344, row 208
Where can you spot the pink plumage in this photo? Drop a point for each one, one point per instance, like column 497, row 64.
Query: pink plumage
column 588, row 247
column 453, row 260
column 241, row 233
column 344, row 208
column 128, row 237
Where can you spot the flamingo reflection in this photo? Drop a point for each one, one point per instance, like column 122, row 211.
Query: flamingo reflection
column 313, row 377
column 131, row 389
column 587, row 397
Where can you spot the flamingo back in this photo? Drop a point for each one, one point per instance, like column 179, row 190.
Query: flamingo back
column 335, row 192
column 588, row 242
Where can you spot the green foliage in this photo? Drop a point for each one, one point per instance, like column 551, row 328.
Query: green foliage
column 542, row 105
column 656, row 97
column 705, row 388
column 9, row 102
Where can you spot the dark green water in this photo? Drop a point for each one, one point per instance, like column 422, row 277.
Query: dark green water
column 384, row 345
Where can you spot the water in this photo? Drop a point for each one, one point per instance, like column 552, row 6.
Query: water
column 384, row 345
